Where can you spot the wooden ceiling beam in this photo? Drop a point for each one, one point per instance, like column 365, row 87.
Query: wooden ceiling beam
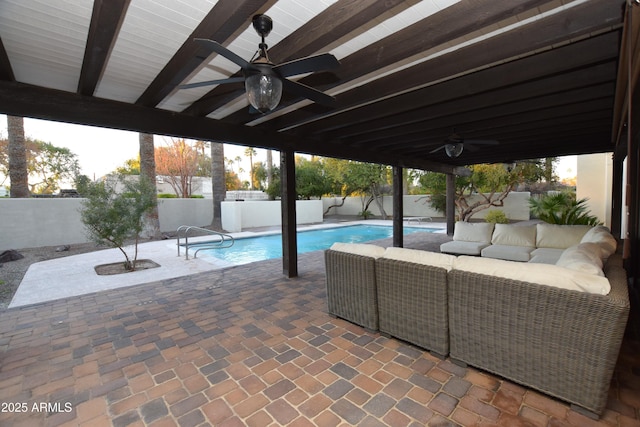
column 450, row 23
column 224, row 20
column 383, row 127
column 580, row 20
column 106, row 20
column 24, row 100
column 345, row 17
column 6, row 71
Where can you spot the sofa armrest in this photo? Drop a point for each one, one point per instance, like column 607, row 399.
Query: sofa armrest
column 351, row 288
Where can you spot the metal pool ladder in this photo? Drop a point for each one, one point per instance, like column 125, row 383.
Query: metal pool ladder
column 225, row 240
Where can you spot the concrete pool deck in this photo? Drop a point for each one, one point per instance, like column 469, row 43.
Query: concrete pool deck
column 75, row 275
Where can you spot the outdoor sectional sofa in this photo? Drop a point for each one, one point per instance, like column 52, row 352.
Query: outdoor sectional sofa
column 552, row 328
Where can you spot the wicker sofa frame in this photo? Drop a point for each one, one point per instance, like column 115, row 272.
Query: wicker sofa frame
column 351, row 288
column 412, row 304
column 561, row 342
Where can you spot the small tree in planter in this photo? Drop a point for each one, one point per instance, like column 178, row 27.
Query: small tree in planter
column 111, row 217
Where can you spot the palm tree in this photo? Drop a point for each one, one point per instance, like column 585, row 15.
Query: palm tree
column 148, row 170
column 250, row 151
column 218, row 182
column 269, row 167
column 18, row 172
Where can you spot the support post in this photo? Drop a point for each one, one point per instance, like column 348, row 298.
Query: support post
column 397, row 207
column 451, row 203
column 288, row 203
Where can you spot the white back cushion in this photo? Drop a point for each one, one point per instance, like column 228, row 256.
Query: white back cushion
column 514, row 235
column 415, row 256
column 559, row 236
column 363, row 249
column 549, row 275
column 603, row 238
column 473, row 231
column 584, row 257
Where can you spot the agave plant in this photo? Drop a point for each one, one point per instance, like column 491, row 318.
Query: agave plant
column 562, row 208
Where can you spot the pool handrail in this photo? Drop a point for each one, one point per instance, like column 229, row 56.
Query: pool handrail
column 226, row 240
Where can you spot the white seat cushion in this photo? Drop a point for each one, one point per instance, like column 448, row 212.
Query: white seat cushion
column 550, row 275
column 415, row 256
column 508, row 252
column 363, row 249
column 463, row 248
column 546, row 255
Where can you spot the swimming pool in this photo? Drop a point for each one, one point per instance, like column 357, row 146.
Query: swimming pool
column 250, row 249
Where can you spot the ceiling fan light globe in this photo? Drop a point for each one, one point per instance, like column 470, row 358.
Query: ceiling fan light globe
column 453, row 149
column 263, row 91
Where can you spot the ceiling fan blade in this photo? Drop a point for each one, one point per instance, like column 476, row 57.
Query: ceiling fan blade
column 212, row 82
column 308, row 92
column 481, row 141
column 221, row 50
column 437, row 149
column 310, row 64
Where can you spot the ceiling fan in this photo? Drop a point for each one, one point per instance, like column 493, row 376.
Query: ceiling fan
column 263, row 79
column 454, row 144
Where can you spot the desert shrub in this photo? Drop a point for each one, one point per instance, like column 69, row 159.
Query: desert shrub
column 562, row 208
column 497, row 217
column 111, row 217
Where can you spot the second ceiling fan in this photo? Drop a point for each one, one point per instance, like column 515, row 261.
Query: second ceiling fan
column 454, row 144
column 264, row 80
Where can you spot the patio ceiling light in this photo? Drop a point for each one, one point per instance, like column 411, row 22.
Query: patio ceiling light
column 453, row 149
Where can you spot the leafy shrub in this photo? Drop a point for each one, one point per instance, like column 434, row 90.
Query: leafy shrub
column 562, row 208
column 365, row 214
column 111, row 217
column 496, row 217
column 167, row 196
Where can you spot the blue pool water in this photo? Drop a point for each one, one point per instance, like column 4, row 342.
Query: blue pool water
column 267, row 247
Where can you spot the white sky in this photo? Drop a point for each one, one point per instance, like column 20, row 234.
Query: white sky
column 101, row 150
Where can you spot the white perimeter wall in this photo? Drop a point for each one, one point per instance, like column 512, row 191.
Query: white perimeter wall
column 26, row 223
column 516, row 206
column 594, row 182
column 237, row 216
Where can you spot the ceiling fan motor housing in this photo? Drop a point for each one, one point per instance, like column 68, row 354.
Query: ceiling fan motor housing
column 263, row 25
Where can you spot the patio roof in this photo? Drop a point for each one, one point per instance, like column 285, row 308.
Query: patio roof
column 539, row 76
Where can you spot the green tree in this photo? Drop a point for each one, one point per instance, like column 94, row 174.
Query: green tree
column 251, row 153
column 310, row 179
column 49, row 165
column 351, row 178
column 129, row 167
column 489, row 184
column 111, row 217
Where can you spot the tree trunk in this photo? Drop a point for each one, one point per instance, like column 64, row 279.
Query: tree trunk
column 218, row 183
column 148, row 171
column 18, row 172
column 269, row 168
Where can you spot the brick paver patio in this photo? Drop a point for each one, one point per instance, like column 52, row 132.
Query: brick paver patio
column 246, row 346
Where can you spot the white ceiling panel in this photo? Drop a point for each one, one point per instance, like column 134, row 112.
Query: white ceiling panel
column 150, row 35
column 45, row 40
